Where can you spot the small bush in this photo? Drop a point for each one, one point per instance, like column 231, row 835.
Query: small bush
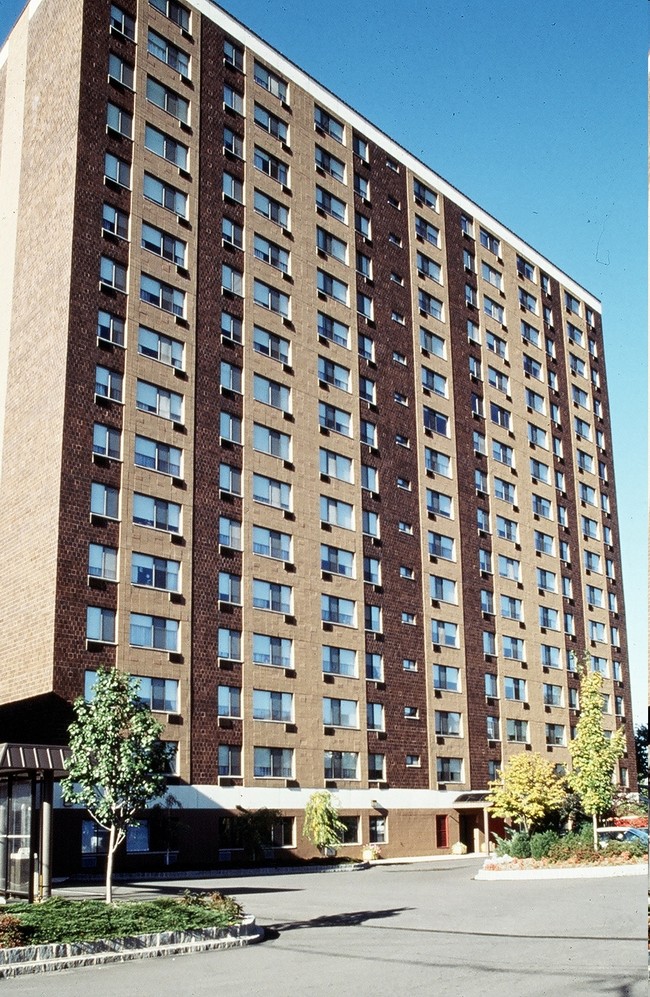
column 519, row 845
column 632, row 848
column 541, row 843
column 11, row 932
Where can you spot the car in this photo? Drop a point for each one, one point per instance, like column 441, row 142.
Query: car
column 631, row 834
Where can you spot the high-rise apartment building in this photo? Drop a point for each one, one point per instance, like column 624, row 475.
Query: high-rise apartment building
column 294, row 431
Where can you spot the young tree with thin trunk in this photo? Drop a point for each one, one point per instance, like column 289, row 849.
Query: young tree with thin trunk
column 526, row 790
column 322, row 825
column 117, row 761
column 593, row 755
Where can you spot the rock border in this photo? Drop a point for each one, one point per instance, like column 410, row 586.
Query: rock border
column 49, row 958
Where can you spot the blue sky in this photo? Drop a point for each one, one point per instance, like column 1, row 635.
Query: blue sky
column 538, row 113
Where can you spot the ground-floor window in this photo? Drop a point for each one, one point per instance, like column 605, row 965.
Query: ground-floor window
column 378, row 830
column 351, row 833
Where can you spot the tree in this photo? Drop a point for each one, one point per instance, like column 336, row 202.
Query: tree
column 641, row 749
column 117, row 761
column 322, row 825
column 593, row 755
column 526, row 790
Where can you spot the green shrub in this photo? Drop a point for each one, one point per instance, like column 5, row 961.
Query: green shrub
column 60, row 920
column 541, row 843
column 634, row 848
column 11, row 932
column 519, row 845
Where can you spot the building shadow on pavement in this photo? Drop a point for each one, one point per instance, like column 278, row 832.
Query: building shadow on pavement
column 350, row 919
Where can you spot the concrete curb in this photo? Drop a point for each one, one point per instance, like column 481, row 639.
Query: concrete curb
column 565, row 872
column 49, row 958
column 145, row 877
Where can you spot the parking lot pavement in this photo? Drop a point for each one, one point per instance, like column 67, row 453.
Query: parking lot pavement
column 396, row 929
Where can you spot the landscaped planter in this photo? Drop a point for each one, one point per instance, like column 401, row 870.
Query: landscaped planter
column 46, row 958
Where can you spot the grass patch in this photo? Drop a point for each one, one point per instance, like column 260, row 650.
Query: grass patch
column 60, row 920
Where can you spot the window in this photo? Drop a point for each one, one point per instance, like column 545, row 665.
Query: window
column 341, row 765
column 273, row 763
column 428, row 268
column 499, row 416
column 166, row 147
column 409, row 618
column 539, row 471
column 335, row 465
column 270, row 491
column 517, row 730
column 270, row 123
column 229, row 760
column 502, row 453
column 442, row 589
column 335, row 332
column 490, row 242
column 271, row 253
column 439, row 504
column 374, row 667
column 441, row 546
column 118, row 120
column 102, row 562
column 444, row 633
column 338, row 561
column 372, row 570
column 163, row 296
column 271, row 393
column 432, row 306
column 447, row 724
column 436, row 421
column 117, row 170
column 153, row 632
column 549, row 618
column 330, row 245
column 509, row 567
column 449, row 769
column 104, row 501
column 269, row 297
column 446, row 677
column 233, row 143
column 437, row 462
column 232, row 280
column 505, row 491
column 423, row 193
column 370, row 523
column 361, row 185
column 112, row 274
column 160, row 347
column 330, row 204
column 340, row 712
column 544, row 543
column 170, row 101
column 165, row 195
column 270, row 208
column 270, row 81
column 335, row 167
column 325, row 122
column 230, row 533
column 434, row 382
column 272, row 596
column 332, row 287
column 120, row 71
column 339, row 661
column 337, row 610
column 106, row 441
column 334, row 419
column 272, row 543
column 572, row 304
column 230, row 479
column 498, row 380
column 427, row 232
column 228, row 701
column 108, row 384
column 168, row 53
column 229, row 644
column 471, row 299
column 478, row 442
column 515, row 689
column 487, row 602
column 542, row 507
column 273, row 706
column 492, row 276
column 230, row 427
column 372, row 619
column 511, row 609
column 273, row 167
column 158, row 456
column 155, row 572
column 493, row 309
column 275, row 651
column 158, row 401
column 489, row 642
column 536, row 435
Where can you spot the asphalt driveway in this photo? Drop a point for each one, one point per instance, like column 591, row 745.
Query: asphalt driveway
column 415, row 929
